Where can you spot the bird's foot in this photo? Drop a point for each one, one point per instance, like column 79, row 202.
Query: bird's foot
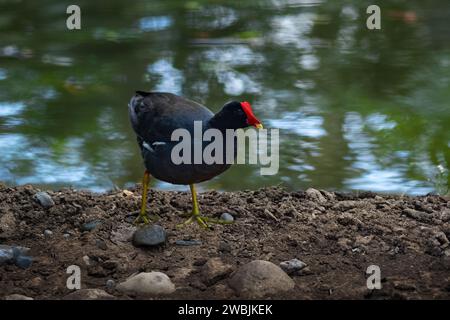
column 203, row 221
column 145, row 218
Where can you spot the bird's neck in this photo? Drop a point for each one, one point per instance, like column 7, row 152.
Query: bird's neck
column 222, row 121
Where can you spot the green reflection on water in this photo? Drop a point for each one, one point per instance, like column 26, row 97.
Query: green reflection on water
column 357, row 109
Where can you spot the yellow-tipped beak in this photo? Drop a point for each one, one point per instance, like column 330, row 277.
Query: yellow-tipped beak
column 259, row 126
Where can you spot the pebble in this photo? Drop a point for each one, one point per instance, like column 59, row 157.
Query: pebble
column 24, row 262
column 7, row 225
column 151, row 283
column 227, row 217
column 44, row 199
column 188, row 243
column 20, row 251
column 417, row 215
column 315, row 195
column 225, row 247
column 88, row 261
column 346, row 205
column 101, row 244
column 66, row 236
column 260, row 278
column 127, row 193
column 89, row 294
column 404, row 285
column 91, row 225
column 6, row 254
column 123, row 233
column 17, row 297
column 149, row 236
column 36, row 282
column 48, row 233
column 110, row 284
column 445, row 215
column 292, row 266
column 215, row 270
column 15, row 254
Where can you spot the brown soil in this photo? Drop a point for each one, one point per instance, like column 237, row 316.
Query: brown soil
column 337, row 235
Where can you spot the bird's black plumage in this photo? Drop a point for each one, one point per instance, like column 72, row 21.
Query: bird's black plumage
column 154, row 117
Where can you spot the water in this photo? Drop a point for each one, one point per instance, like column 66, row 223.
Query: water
column 357, row 109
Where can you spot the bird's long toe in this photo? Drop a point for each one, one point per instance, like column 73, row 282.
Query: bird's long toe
column 145, row 219
column 202, row 221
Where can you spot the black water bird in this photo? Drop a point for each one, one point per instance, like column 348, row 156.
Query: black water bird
column 156, row 115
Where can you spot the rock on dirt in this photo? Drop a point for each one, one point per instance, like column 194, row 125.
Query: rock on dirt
column 215, row 270
column 226, row 217
column 7, row 225
column 90, row 225
column 6, row 254
column 122, row 233
column 147, row 283
column 89, row 294
column 44, row 199
column 15, row 254
column 315, row 195
column 149, row 236
column 259, row 278
column 338, row 238
column 188, row 243
column 292, row 266
column 23, row 262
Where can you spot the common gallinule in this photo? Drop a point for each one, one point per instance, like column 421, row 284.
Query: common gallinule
column 154, row 117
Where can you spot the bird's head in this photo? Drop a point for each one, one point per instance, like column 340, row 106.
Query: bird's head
column 235, row 115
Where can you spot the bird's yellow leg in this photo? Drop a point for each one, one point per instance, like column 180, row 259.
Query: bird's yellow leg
column 195, row 215
column 143, row 216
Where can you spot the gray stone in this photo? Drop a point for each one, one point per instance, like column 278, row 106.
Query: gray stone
column 48, row 233
column 7, row 225
column 445, row 215
column 345, row 205
column 259, row 279
column 110, row 284
column 150, row 283
column 6, row 254
column 315, row 195
column 89, row 294
column 417, row 215
column 44, row 199
column 20, row 251
column 66, row 236
column 187, row 243
column 101, row 244
column 88, row 261
column 90, row 225
column 225, row 247
column 227, row 217
column 16, row 297
column 23, row 262
column 149, row 236
column 292, row 266
column 9, row 254
column 215, row 270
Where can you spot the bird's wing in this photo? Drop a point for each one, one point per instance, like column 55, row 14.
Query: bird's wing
column 154, row 115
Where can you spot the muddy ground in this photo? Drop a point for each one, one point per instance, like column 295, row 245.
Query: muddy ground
column 337, row 235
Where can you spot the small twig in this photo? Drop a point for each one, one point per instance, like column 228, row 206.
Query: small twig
column 270, row 214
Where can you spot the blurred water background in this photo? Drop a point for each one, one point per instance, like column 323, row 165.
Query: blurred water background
column 357, row 109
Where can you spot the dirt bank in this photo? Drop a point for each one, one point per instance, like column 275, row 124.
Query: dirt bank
column 337, row 235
